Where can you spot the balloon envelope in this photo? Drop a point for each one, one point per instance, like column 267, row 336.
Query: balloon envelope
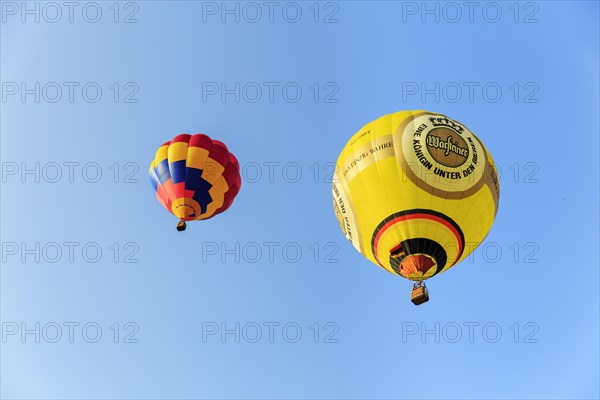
column 415, row 192
column 195, row 177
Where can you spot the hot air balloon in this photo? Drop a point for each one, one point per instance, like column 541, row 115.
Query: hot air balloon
column 195, row 177
column 415, row 192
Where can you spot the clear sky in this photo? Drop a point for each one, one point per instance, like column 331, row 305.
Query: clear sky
column 102, row 298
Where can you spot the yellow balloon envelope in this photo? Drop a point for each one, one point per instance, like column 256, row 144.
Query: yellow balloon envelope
column 415, row 192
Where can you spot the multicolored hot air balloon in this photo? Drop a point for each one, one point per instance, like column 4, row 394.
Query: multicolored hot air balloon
column 415, row 192
column 195, row 177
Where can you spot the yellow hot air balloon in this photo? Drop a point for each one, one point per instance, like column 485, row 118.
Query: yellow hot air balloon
column 415, row 192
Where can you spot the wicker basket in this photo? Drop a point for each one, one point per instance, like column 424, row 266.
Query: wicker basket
column 419, row 295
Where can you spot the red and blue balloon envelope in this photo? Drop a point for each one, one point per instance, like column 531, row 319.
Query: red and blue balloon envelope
column 195, row 177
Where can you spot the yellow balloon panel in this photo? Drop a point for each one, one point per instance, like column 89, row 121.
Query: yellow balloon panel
column 415, row 192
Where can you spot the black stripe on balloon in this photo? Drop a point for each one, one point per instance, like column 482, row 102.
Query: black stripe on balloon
column 423, row 246
column 420, row 211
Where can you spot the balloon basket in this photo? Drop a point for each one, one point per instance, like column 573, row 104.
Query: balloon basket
column 419, row 295
column 181, row 226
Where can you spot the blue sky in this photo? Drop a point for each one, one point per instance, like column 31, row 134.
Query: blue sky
column 269, row 300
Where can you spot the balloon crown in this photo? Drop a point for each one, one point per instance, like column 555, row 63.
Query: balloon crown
column 445, row 121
